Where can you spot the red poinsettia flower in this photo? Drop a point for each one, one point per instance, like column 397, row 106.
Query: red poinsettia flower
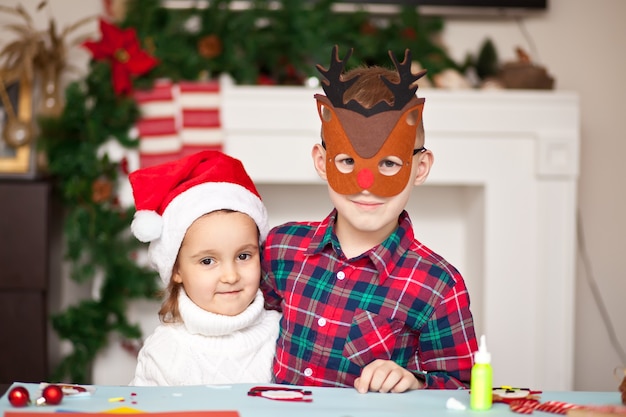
column 409, row 33
column 121, row 47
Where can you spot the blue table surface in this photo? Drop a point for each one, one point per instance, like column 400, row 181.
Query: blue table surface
column 327, row 402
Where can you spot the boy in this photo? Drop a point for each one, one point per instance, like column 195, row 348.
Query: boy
column 364, row 303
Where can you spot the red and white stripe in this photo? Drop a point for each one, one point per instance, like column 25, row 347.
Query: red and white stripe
column 527, row 406
column 557, row 407
column 177, row 120
column 200, row 103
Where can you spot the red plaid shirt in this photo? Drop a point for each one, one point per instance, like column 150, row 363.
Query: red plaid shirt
column 399, row 301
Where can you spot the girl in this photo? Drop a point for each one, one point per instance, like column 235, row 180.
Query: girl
column 205, row 221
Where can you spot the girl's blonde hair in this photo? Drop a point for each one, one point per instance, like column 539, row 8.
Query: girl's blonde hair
column 169, row 312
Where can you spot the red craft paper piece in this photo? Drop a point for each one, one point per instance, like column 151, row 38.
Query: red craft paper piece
column 282, row 394
column 160, row 414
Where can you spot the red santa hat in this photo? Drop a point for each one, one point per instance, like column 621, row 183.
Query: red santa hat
column 171, row 196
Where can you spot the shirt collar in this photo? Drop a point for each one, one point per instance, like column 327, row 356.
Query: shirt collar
column 324, row 235
column 384, row 256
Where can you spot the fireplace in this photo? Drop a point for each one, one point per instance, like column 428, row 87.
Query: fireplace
column 499, row 204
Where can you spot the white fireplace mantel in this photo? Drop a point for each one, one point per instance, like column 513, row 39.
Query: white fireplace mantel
column 499, row 204
column 513, row 158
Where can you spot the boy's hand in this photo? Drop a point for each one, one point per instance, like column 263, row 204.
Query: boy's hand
column 386, row 376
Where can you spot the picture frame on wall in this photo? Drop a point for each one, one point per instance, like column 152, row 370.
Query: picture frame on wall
column 17, row 162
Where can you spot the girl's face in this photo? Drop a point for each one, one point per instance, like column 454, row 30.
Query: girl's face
column 219, row 263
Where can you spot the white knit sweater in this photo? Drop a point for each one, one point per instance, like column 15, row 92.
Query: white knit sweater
column 210, row 348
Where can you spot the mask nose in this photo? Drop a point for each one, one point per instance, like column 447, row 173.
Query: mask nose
column 365, row 178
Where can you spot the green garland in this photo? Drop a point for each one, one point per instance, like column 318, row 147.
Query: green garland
column 95, row 226
column 260, row 44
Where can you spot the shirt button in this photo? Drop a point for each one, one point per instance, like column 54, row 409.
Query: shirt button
column 341, row 275
column 322, row 322
column 308, row 372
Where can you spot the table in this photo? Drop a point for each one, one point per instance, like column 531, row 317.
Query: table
column 327, row 402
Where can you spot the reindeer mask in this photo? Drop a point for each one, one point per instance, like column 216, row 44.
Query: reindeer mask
column 375, row 145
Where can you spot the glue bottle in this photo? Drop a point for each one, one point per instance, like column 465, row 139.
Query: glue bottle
column 481, row 388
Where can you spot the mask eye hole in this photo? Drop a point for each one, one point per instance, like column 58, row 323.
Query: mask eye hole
column 390, row 165
column 326, row 113
column 344, row 163
column 412, row 117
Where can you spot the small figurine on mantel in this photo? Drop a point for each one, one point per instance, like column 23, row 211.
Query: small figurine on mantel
column 524, row 74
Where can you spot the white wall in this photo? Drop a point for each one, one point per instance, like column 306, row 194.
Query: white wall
column 581, row 44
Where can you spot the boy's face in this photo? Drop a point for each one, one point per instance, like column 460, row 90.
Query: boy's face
column 366, row 212
column 373, row 153
column 219, row 262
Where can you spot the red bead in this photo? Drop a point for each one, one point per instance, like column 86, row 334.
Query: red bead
column 19, row 397
column 53, row 394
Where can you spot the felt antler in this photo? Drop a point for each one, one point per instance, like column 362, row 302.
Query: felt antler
column 405, row 90
column 335, row 87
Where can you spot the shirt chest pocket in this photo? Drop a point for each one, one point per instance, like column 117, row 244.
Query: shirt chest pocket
column 371, row 337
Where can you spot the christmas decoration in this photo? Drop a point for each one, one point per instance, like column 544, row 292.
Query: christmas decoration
column 19, row 397
column 95, row 225
column 200, row 111
column 178, row 119
column 102, row 190
column 487, row 61
column 51, row 395
column 128, row 88
column 523, row 73
column 277, row 42
column 15, row 132
column 39, row 55
column 526, row 401
column 122, row 49
column 210, row 46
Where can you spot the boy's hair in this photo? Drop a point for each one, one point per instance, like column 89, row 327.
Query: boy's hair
column 369, row 88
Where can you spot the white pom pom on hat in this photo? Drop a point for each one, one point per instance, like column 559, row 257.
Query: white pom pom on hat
column 147, row 225
column 171, row 196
